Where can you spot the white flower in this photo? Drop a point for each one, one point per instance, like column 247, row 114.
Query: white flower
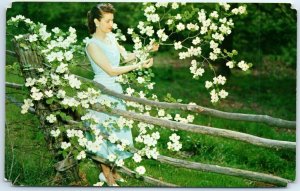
column 27, row 104
column 155, row 135
column 49, row 93
column 177, row 146
column 214, row 14
column 175, row 5
column 235, row 11
column 190, row 118
column 113, row 138
column 242, row 9
column 178, row 17
column 196, row 41
column 213, row 27
column 42, row 80
column 140, row 80
column 174, row 137
column 65, row 145
column 82, row 141
column 212, row 56
column 201, row 16
column 150, row 86
column 119, row 162
column 161, row 112
column 56, row 30
column 32, row 38
column 129, row 91
column 112, row 157
column 225, row 5
column 30, row 82
column 74, row 82
column 37, row 96
column 160, row 33
column 192, row 26
column 137, row 158
column 152, row 17
column 93, row 146
column 180, row 26
column 208, row 84
column 61, row 94
column 140, row 170
column 242, row 64
column 68, row 55
column 142, row 94
column 115, row 26
column 169, row 21
column 213, row 44
column 149, row 30
column 214, row 96
column 219, row 80
column 70, row 133
column 55, row 133
column 59, row 56
column 177, row 45
column 223, row 94
column 129, row 31
column 51, row 118
column 81, row 155
column 161, row 4
column 55, row 79
column 230, row 64
column 150, row 9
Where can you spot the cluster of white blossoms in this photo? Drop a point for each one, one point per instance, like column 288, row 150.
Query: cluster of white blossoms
column 195, row 70
column 189, row 119
column 27, row 104
column 140, row 170
column 209, row 28
column 174, row 144
column 55, row 133
column 215, row 93
column 81, row 155
column 50, row 84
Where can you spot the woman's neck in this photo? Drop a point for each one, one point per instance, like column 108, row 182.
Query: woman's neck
column 100, row 35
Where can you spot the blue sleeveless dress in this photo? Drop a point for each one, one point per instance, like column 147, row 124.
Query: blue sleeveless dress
column 112, row 53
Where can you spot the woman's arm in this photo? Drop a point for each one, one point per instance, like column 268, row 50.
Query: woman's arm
column 101, row 60
column 128, row 57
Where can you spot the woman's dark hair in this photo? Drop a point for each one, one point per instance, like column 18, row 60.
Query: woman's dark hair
column 97, row 13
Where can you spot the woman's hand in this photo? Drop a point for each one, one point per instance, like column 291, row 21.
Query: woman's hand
column 148, row 63
column 155, row 47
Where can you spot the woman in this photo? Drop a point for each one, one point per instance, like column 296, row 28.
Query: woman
column 104, row 52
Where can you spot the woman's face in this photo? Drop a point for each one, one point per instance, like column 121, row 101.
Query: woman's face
column 106, row 22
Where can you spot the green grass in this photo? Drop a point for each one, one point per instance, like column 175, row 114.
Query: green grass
column 28, row 162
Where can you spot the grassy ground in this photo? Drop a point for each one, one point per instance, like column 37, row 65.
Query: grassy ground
column 28, row 162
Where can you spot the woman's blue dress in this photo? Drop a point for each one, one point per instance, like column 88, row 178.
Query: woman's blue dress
column 112, row 53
